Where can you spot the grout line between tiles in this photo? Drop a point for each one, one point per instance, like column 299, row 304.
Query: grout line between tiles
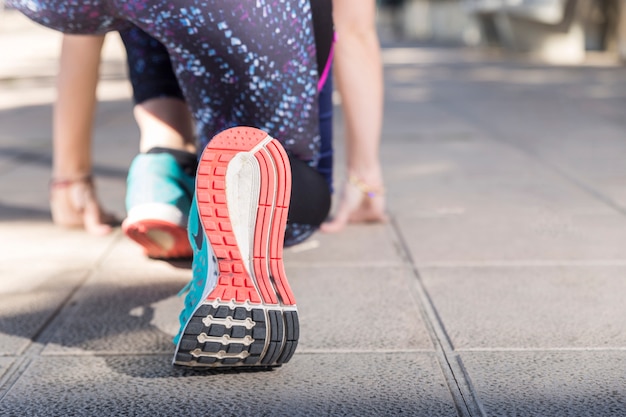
column 496, row 135
column 522, row 263
column 540, row 350
column 459, row 384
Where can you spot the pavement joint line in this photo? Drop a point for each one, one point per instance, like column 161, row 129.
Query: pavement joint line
column 361, row 352
column 540, row 350
column 356, row 264
column 103, row 354
column 17, row 158
column 48, row 328
column 495, row 134
column 456, row 377
column 520, row 264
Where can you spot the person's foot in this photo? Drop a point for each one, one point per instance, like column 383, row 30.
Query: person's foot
column 158, row 199
column 74, row 204
column 240, row 310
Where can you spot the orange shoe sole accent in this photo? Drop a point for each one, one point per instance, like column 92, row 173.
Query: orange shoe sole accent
column 160, row 239
column 268, row 285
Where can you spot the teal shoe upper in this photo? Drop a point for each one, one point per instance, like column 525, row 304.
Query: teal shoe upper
column 204, row 269
column 157, row 178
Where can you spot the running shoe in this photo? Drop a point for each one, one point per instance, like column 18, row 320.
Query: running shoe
column 239, row 310
column 158, row 200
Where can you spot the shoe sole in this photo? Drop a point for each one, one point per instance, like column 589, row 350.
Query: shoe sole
column 250, row 318
column 160, row 239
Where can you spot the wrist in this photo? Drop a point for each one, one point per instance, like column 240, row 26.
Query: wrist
column 372, row 176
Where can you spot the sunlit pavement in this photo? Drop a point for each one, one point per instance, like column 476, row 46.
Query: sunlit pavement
column 496, row 289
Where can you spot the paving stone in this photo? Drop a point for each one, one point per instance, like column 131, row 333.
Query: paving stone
column 337, row 384
column 25, row 188
column 32, row 244
column 569, row 119
column 494, row 237
column 357, row 309
column 554, row 383
column 526, row 307
column 34, row 61
column 135, row 310
column 29, row 299
column 5, row 363
column 127, row 254
column 121, row 311
column 477, row 201
column 355, row 245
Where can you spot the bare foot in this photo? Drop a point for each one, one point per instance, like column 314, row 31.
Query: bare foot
column 73, row 203
column 360, row 203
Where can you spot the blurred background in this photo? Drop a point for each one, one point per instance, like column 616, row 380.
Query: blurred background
column 555, row 31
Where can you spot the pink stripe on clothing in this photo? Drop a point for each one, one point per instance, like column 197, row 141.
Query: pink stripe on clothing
column 324, row 76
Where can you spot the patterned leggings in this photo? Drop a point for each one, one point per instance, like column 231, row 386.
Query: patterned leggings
column 151, row 75
column 238, row 62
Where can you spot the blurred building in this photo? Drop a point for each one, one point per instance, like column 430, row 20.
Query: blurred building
column 562, row 31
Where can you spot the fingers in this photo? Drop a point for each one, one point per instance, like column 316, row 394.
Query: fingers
column 93, row 219
column 350, row 201
column 368, row 216
column 356, row 207
column 338, row 223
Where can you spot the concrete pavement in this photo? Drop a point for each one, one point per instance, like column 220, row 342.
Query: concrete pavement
column 497, row 289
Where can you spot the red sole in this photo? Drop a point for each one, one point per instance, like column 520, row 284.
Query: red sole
column 177, row 247
column 268, row 283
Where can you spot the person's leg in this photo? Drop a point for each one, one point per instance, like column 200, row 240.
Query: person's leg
column 73, row 201
column 259, row 71
column 165, row 122
column 154, row 84
column 238, row 217
column 270, row 87
column 225, row 101
column 160, row 179
column 160, row 109
column 358, row 70
column 162, row 115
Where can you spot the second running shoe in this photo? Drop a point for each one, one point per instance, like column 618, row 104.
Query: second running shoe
column 239, row 310
column 158, row 200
